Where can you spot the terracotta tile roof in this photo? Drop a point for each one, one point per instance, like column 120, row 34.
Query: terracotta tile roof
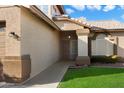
column 64, row 18
column 107, row 24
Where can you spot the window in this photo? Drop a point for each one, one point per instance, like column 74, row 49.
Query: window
column 55, row 11
column 2, row 26
column 43, row 8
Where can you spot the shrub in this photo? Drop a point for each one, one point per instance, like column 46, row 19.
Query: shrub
column 105, row 59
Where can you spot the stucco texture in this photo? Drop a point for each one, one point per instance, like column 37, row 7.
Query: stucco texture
column 40, row 41
column 120, row 43
column 11, row 15
column 118, row 40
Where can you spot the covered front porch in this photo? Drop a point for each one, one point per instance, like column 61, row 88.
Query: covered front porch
column 74, row 39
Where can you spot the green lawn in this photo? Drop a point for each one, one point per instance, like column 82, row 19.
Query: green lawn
column 93, row 77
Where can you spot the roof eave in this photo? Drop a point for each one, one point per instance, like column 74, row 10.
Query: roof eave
column 67, row 19
column 39, row 13
column 110, row 30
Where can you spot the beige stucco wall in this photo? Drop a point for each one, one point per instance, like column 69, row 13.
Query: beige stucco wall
column 83, row 45
column 120, row 48
column 40, row 41
column 119, row 36
column 12, row 17
column 102, row 45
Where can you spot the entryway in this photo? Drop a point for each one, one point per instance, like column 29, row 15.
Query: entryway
column 68, row 45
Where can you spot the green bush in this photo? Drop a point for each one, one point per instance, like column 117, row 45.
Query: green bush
column 105, row 59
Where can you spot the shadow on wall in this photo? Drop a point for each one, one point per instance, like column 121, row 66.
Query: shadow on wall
column 1, row 72
column 3, row 76
column 120, row 51
column 102, row 47
column 107, row 46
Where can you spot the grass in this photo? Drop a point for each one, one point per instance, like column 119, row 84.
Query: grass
column 93, row 77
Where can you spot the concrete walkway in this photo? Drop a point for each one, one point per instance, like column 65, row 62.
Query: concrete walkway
column 49, row 78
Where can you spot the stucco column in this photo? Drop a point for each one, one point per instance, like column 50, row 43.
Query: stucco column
column 83, row 57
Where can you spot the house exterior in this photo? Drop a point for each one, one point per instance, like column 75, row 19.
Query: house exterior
column 74, row 40
column 29, row 41
column 34, row 37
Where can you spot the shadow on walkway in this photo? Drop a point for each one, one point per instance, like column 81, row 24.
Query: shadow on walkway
column 49, row 77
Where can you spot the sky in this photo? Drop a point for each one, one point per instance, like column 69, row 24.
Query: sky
column 96, row 12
